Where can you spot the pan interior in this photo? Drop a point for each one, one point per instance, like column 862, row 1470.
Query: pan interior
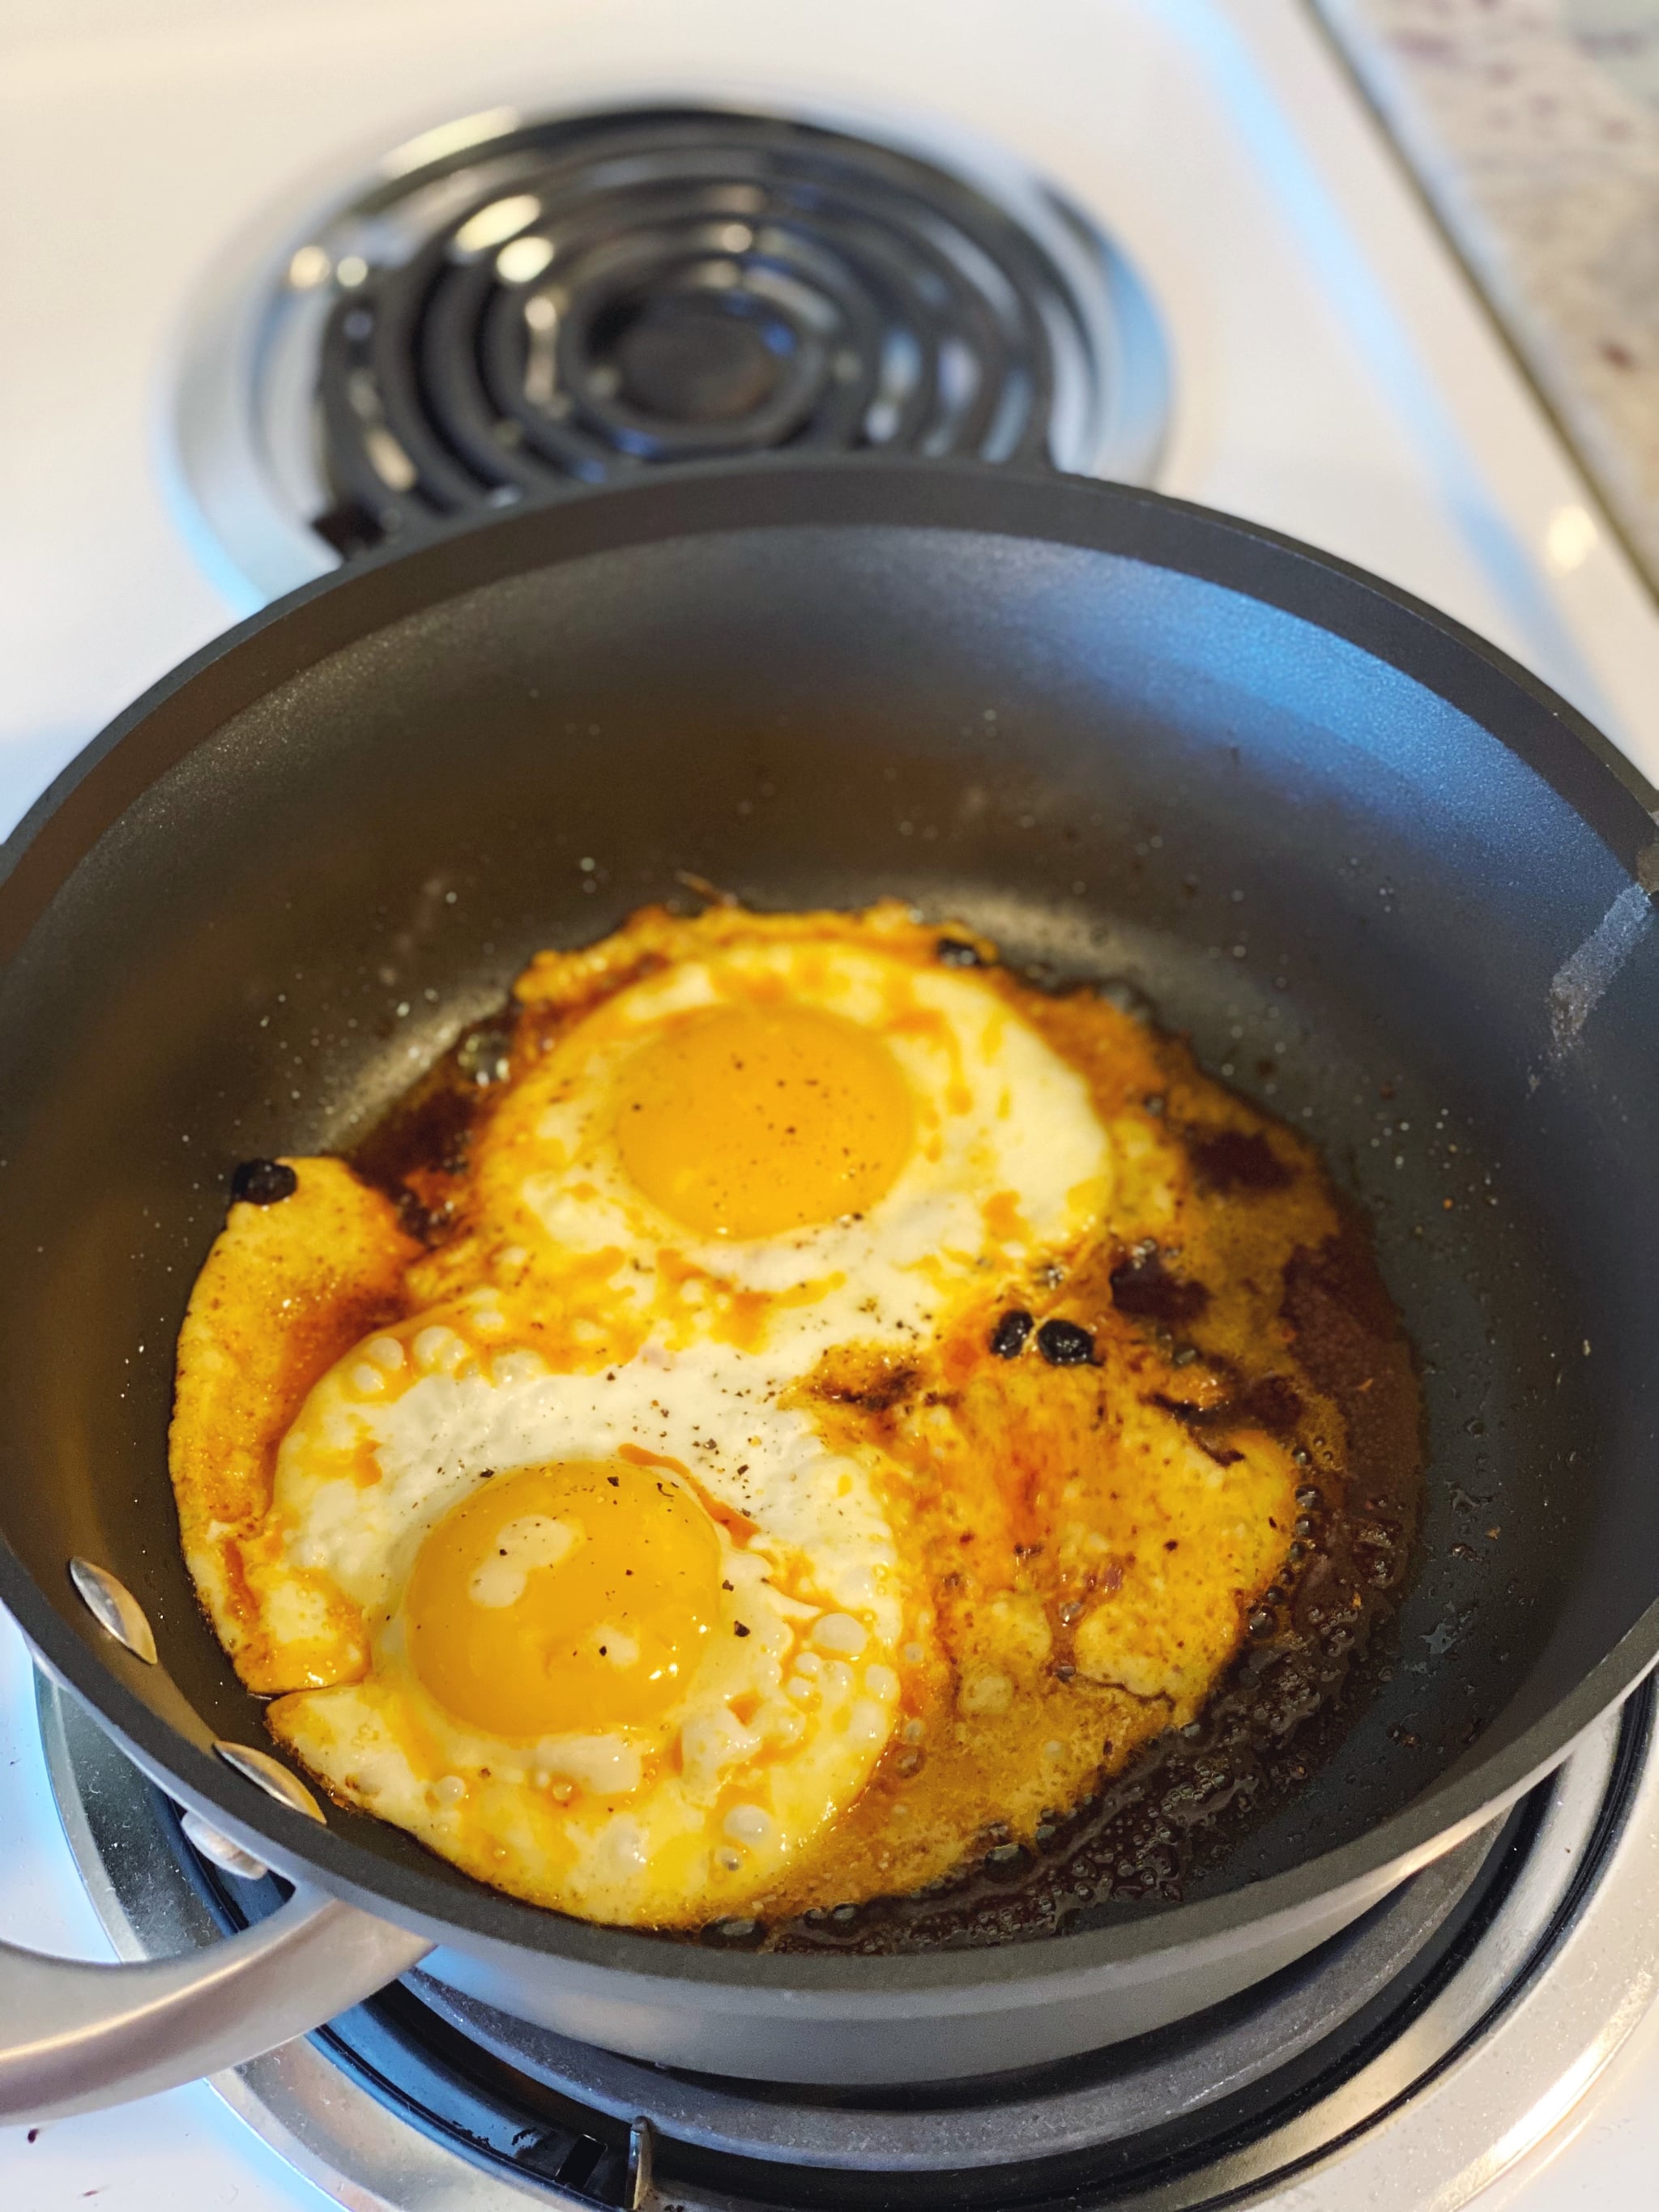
column 1351, row 896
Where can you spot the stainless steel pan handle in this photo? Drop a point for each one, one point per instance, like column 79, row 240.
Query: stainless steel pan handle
column 76, row 2035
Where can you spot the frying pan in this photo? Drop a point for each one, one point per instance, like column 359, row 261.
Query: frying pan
column 1386, row 880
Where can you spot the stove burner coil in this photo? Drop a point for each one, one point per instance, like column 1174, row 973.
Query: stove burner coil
column 602, row 294
column 509, row 308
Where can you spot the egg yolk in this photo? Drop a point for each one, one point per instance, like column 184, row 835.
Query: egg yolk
column 750, row 1121
column 566, row 1599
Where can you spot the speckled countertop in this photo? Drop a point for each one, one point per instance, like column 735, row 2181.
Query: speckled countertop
column 1533, row 126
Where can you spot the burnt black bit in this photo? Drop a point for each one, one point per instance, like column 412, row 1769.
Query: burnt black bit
column 957, row 952
column 1143, row 1287
column 1008, row 1337
column 1066, row 1343
column 740, row 1628
column 1236, row 1159
column 263, row 1182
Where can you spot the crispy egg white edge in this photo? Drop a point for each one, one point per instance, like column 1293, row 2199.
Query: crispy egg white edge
column 661, row 1848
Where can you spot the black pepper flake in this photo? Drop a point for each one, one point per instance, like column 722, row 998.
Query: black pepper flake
column 263, row 1182
column 957, row 952
column 1066, row 1343
column 739, row 1628
column 1008, row 1337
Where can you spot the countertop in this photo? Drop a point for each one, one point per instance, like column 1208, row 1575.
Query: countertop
column 1533, row 128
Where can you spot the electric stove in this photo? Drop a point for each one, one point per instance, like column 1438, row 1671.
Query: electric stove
column 289, row 281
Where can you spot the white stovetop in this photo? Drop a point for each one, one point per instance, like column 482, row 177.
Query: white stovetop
column 1334, row 378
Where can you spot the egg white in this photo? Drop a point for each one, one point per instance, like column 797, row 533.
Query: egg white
column 432, row 1410
column 667, row 1822
column 999, row 1115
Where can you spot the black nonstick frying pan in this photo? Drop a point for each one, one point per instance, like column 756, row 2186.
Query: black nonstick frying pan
column 1358, row 854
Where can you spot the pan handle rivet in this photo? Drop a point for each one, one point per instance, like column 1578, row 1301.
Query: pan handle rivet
column 221, row 1849
column 115, row 1609
column 641, row 2154
column 270, row 1776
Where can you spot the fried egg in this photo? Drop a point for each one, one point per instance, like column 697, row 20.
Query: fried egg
column 758, row 1485
column 786, row 1143
column 624, row 1640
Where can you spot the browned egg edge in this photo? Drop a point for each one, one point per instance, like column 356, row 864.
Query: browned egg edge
column 1334, row 1378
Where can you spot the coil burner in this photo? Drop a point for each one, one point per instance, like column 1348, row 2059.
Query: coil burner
column 506, row 311
column 1406, row 2061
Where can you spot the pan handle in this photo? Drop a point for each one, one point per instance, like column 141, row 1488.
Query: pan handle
column 75, row 2035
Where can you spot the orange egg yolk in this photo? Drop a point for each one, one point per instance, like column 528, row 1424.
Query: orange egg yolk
column 751, row 1121
column 572, row 1598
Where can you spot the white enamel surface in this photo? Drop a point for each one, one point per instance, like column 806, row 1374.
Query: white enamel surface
column 1335, row 380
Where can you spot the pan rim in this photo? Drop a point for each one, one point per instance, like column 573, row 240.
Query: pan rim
column 1427, row 645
